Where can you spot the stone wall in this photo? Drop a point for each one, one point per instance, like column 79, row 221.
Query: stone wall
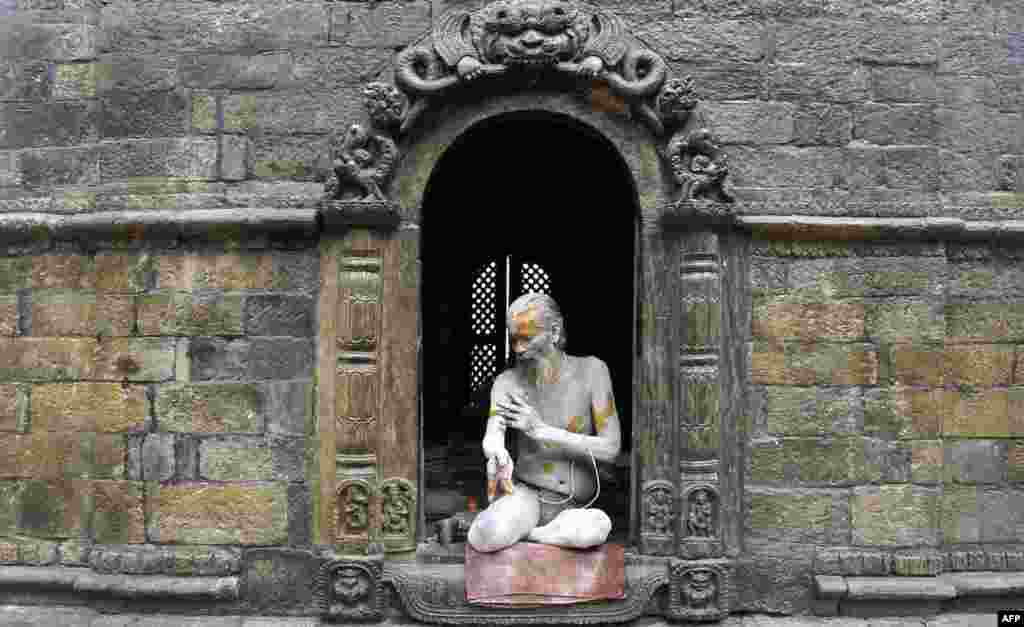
column 154, row 397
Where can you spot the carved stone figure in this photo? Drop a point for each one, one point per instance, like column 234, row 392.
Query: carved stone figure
column 350, row 590
column 384, row 104
column 351, row 586
column 531, row 35
column 397, row 512
column 700, row 588
column 363, row 164
column 563, row 412
column 659, row 511
column 357, row 507
column 700, row 521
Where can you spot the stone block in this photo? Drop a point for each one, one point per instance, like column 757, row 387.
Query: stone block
column 1015, row 461
column 812, row 516
column 120, row 72
column 893, row 83
column 236, row 157
column 15, row 273
column 143, row 114
column 192, row 157
column 336, row 68
column 151, row 28
column 237, row 271
column 35, row 552
column 134, row 359
column 276, row 314
column 387, row 24
column 97, row 407
column 904, row 322
column 751, row 122
column 24, row 79
column 975, row 461
column 190, row 313
column 45, row 359
column 205, row 118
column 8, row 314
column 814, row 364
column 774, row 578
column 887, row 42
column 10, row 175
column 75, row 80
column 281, row 358
column 785, row 166
column 903, row 412
column 978, row 129
column 272, row 579
column 981, row 365
column 53, row 509
column 285, row 112
column 822, row 124
column 211, row 408
column 981, row 413
column 722, row 80
column 252, row 459
column 894, row 124
column 235, row 71
column 823, row 322
column 68, row 313
column 810, row 460
column 289, row 157
column 926, row 461
column 888, row 460
column 25, row 37
column 157, row 454
column 912, row 364
column 215, row 358
column 981, row 513
column 812, row 411
column 901, row 167
column 289, row 407
column 124, row 272
column 117, row 515
column 59, row 166
column 895, row 515
column 205, row 513
column 984, row 322
column 970, row 47
column 62, row 271
column 62, row 123
column 10, row 500
column 14, row 407
column 703, row 40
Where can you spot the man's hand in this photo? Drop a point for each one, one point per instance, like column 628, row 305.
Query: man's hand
column 519, row 414
column 499, row 469
column 469, row 68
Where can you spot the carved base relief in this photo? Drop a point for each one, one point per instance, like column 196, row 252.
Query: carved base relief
column 701, row 590
column 351, row 590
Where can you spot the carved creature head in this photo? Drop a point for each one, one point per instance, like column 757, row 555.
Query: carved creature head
column 701, row 579
column 532, row 32
column 350, row 585
column 384, row 104
column 676, row 100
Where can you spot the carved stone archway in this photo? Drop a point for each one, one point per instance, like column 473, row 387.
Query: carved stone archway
column 571, row 59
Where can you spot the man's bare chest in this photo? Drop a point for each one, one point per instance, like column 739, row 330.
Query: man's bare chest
column 565, row 404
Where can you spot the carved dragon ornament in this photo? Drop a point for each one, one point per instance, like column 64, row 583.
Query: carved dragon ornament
column 527, row 38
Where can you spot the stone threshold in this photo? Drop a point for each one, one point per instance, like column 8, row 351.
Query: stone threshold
column 832, row 590
column 83, row 581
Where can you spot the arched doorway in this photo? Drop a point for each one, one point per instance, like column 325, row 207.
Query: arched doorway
column 528, row 201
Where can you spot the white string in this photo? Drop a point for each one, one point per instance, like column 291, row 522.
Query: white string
column 572, row 484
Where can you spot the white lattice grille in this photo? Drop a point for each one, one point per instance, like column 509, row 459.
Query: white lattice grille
column 485, row 300
column 482, row 365
column 535, row 279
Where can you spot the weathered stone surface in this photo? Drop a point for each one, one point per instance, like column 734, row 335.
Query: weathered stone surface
column 751, row 122
column 894, row 124
column 904, row 84
column 704, row 40
column 979, row 129
column 812, row 411
column 980, row 514
column 147, row 559
column 234, row 271
column 251, row 459
column 42, row 125
column 811, row 460
column 235, row 71
column 14, row 407
column 926, row 461
column 978, row 364
column 211, row 408
column 975, row 461
column 293, row 111
column 136, row 73
column 286, row 157
column 912, row 364
column 336, row 68
column 45, row 359
column 30, row 551
column 897, row 321
column 815, row 516
column 822, row 124
column 904, row 167
column 99, row 407
column 52, row 509
column 24, row 79
column 382, row 25
column 204, row 113
column 75, row 80
column 213, row 358
column 236, row 157
column 143, row 114
column 116, row 512
column 982, row 413
column 62, row 271
column 779, row 321
column 53, row 455
column 785, row 166
column 799, row 364
column 276, row 314
column 273, row 578
column 985, row 322
column 774, row 578
column 895, row 515
column 186, row 157
column 8, row 314
column 157, row 461
column 134, row 359
column 70, row 313
column 59, row 166
column 722, row 80
column 289, row 407
column 280, row 358
column 190, row 313
column 204, row 513
column 904, row 412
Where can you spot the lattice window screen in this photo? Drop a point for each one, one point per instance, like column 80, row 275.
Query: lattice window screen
column 485, row 300
column 534, row 279
column 482, row 365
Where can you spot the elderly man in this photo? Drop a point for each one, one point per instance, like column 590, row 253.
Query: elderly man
column 561, row 407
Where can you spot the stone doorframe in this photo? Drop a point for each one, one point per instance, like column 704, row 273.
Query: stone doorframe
column 690, row 366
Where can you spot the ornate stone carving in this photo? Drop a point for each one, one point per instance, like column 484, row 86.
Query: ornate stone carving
column 398, row 514
column 363, row 162
column 353, row 508
column 348, row 590
column 700, row 590
column 698, row 165
column 530, row 36
column 658, row 517
column 701, row 512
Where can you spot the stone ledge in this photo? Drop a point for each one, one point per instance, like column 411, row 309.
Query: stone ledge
column 84, row 581
column 825, row 228
column 133, row 228
column 941, row 588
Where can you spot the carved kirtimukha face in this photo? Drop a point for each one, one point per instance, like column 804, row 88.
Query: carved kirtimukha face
column 531, row 32
column 350, row 586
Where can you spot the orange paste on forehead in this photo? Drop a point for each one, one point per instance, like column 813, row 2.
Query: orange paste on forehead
column 526, row 322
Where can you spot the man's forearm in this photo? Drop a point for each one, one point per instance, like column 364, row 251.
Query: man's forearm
column 577, row 444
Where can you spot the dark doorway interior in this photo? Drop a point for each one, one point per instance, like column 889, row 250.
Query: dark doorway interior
column 521, row 202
